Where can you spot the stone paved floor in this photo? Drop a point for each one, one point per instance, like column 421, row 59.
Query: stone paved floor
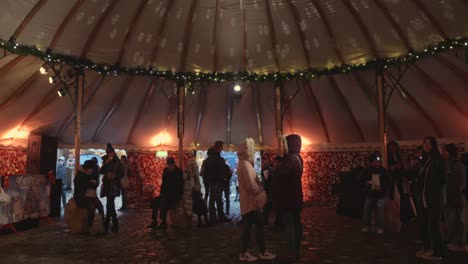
column 328, row 239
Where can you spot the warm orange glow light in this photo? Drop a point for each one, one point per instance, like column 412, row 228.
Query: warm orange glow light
column 160, row 139
column 305, row 141
column 16, row 133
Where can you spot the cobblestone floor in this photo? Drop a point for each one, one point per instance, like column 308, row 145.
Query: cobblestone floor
column 328, row 239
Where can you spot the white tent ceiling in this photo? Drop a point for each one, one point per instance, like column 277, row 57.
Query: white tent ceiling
column 233, row 35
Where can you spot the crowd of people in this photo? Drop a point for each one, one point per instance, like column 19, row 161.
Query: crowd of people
column 280, row 190
column 431, row 189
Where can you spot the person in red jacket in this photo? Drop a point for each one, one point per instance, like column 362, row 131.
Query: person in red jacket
column 286, row 191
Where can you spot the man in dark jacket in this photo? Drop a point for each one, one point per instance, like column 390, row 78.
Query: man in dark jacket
column 84, row 180
column 376, row 183
column 216, row 173
column 112, row 170
column 170, row 194
column 286, row 190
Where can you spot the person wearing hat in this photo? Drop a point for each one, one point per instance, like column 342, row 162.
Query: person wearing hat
column 61, row 178
column 170, row 193
column 83, row 182
column 287, row 196
column 377, row 186
column 112, row 170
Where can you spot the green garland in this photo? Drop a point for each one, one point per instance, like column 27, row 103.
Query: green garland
column 191, row 78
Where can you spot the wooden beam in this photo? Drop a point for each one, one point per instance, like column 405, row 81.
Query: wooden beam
column 406, row 95
column 187, row 36
column 278, row 115
column 329, row 31
column 20, row 91
column 79, row 93
column 214, row 42
column 440, row 92
column 272, row 35
column 143, row 107
column 318, row 109
column 115, row 105
column 65, row 23
column 229, row 115
column 431, row 18
column 155, row 53
column 11, row 64
column 297, row 20
column 128, row 33
column 201, row 111
column 362, row 27
column 392, row 21
column 97, row 28
column 45, row 101
column 258, row 111
column 382, row 117
column 181, row 121
column 347, row 106
column 373, row 100
column 28, row 18
column 88, row 97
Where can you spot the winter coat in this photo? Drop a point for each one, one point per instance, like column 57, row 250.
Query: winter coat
column 172, row 186
column 113, row 173
column 214, row 169
column 286, row 185
column 82, row 182
column 249, row 186
column 456, row 183
column 385, row 182
column 432, row 183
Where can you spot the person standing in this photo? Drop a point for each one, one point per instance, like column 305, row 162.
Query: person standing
column 215, row 173
column 171, row 192
column 252, row 200
column 227, row 187
column 286, row 189
column 84, row 181
column 113, row 173
column 432, row 184
column 61, row 177
column 456, row 182
column 209, row 153
column 377, row 186
column 124, row 182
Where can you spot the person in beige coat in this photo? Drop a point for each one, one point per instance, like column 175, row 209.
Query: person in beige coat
column 252, row 200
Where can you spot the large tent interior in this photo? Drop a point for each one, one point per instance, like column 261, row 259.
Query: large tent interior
column 327, row 59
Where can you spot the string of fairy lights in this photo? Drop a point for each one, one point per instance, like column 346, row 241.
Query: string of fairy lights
column 189, row 79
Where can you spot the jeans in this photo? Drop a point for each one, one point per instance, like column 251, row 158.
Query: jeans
column 93, row 203
column 110, row 211
column 64, row 196
column 227, row 195
column 250, row 219
column 379, row 205
column 216, row 198
column 124, row 199
column 431, row 221
column 292, row 221
column 207, row 190
column 456, row 225
column 156, row 205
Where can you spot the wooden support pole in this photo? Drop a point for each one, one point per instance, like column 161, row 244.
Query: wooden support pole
column 382, row 117
column 278, row 116
column 79, row 89
column 180, row 121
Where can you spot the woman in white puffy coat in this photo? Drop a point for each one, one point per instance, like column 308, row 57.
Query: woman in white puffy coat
column 252, row 200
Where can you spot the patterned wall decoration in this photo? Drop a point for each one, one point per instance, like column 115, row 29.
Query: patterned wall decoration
column 145, row 181
column 12, row 161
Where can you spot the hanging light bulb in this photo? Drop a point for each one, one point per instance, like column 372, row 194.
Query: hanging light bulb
column 51, row 80
column 44, row 69
column 62, row 91
column 237, row 88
